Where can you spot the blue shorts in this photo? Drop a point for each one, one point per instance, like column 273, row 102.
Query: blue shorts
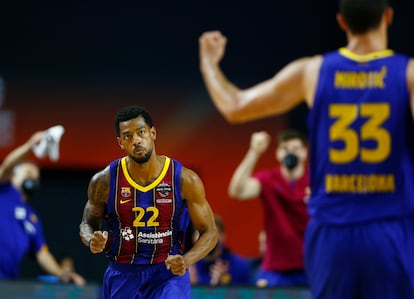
column 366, row 261
column 125, row 281
column 281, row 278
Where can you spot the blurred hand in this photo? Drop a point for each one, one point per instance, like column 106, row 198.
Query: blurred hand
column 98, row 241
column 69, row 275
column 260, row 141
column 37, row 137
column 176, row 264
column 73, row 277
column 212, row 45
column 219, row 272
column 77, row 279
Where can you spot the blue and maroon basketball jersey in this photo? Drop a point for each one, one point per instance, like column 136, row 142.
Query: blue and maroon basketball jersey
column 146, row 223
column 361, row 138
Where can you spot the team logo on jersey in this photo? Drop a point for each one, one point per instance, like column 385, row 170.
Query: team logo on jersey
column 163, row 189
column 125, row 201
column 126, row 233
column 126, row 191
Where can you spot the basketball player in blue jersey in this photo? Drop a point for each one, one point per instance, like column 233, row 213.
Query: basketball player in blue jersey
column 360, row 240
column 147, row 201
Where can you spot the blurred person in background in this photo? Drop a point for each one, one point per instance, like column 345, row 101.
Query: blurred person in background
column 282, row 190
column 221, row 266
column 21, row 230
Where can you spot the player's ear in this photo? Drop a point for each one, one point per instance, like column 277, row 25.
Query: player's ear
column 153, row 132
column 341, row 22
column 389, row 15
column 120, row 142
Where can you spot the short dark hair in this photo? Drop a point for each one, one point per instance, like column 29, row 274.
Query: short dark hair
column 362, row 15
column 132, row 112
column 290, row 134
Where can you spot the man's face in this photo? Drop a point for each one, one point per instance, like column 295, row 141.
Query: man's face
column 292, row 146
column 137, row 139
column 25, row 171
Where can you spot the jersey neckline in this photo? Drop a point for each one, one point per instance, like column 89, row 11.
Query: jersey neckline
column 366, row 57
column 150, row 186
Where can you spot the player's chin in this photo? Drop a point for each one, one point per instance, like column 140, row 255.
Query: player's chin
column 140, row 157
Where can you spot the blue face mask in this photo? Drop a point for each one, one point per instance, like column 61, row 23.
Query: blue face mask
column 30, row 186
column 290, row 161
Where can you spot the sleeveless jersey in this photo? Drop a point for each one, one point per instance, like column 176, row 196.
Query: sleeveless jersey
column 361, row 138
column 146, row 223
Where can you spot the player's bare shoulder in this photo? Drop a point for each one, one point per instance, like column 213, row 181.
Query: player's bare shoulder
column 410, row 75
column 191, row 185
column 189, row 177
column 98, row 189
column 410, row 82
column 311, row 76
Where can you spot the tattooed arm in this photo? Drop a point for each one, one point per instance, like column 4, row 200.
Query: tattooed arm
column 94, row 212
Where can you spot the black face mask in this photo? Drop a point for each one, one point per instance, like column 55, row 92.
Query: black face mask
column 30, row 186
column 290, row 161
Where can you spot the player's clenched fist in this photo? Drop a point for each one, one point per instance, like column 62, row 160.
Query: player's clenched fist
column 98, row 241
column 260, row 141
column 176, row 264
column 212, row 45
